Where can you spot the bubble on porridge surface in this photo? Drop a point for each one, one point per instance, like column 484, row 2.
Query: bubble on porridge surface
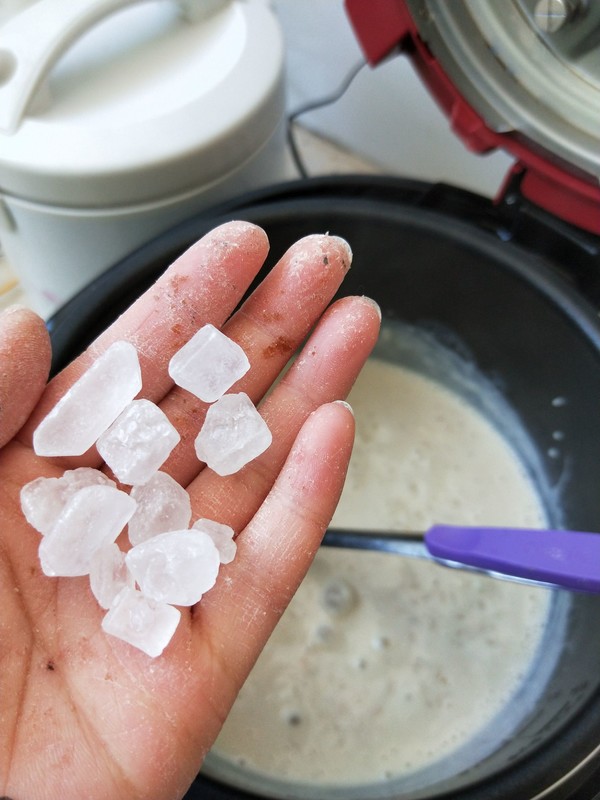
column 162, row 505
column 233, row 434
column 91, row 404
column 208, row 364
column 324, row 634
column 381, row 642
column 94, row 516
column 138, row 442
column 339, row 597
column 292, row 717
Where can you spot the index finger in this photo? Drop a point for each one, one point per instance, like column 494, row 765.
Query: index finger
column 203, row 285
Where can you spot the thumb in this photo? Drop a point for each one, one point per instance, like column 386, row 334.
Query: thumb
column 24, row 366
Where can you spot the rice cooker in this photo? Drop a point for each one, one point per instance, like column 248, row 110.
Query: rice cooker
column 514, row 281
column 120, row 117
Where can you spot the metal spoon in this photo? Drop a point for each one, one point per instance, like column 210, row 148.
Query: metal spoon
column 554, row 558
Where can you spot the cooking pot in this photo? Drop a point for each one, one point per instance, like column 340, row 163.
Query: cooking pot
column 118, row 117
column 518, row 290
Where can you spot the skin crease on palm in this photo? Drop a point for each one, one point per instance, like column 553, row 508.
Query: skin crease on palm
column 85, row 716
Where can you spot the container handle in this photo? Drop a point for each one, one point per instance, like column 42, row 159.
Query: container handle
column 33, row 40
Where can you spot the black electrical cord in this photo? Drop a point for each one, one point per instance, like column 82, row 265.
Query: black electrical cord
column 312, row 106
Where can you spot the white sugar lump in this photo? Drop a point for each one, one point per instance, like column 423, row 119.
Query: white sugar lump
column 222, row 536
column 109, row 574
column 91, row 404
column 135, row 619
column 94, row 516
column 138, row 442
column 162, row 505
column 43, row 499
column 41, row 502
column 232, row 435
column 80, row 477
column 175, row 567
column 209, row 364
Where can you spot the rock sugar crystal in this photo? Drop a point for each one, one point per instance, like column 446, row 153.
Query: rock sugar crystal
column 94, row 516
column 43, row 499
column 233, row 434
column 222, row 536
column 209, row 364
column 138, row 442
column 175, row 567
column 141, row 622
column 109, row 574
column 162, row 505
column 82, row 513
column 91, row 404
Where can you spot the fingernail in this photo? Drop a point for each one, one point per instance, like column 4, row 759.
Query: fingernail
column 15, row 308
column 374, row 303
column 347, row 258
column 345, row 404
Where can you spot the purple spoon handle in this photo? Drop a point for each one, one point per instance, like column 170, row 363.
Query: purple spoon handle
column 570, row 559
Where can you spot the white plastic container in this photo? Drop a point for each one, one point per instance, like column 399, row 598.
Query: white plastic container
column 119, row 118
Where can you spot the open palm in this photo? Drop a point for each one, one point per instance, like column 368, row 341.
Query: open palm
column 85, row 715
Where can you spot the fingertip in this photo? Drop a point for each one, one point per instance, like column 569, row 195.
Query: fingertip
column 354, row 321
column 19, row 314
column 232, row 243
column 11, row 310
column 327, row 431
column 373, row 304
column 345, row 405
column 239, row 233
column 340, row 247
column 337, row 416
column 333, row 251
column 20, row 325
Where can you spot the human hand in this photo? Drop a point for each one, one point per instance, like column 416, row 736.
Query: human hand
column 85, row 715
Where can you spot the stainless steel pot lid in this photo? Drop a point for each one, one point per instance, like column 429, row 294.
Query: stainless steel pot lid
column 521, row 75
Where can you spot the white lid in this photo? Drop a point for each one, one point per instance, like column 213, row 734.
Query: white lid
column 120, row 102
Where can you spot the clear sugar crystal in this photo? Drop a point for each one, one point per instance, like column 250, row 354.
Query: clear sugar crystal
column 162, row 505
column 91, row 404
column 175, row 567
column 232, row 435
column 41, row 502
column 209, row 364
column 109, row 574
column 43, row 499
column 222, row 536
column 94, row 516
column 135, row 619
column 138, row 442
